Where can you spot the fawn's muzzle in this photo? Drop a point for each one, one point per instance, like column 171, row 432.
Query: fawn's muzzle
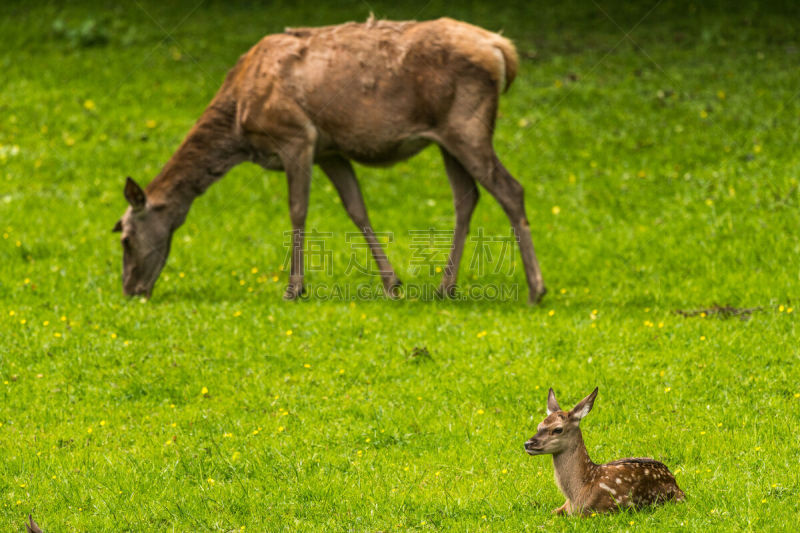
column 533, row 447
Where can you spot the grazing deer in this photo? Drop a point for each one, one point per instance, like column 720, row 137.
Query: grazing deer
column 376, row 93
column 589, row 487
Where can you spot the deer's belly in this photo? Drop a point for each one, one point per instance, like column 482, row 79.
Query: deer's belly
column 384, row 154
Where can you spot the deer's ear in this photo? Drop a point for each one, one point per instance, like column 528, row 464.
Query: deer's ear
column 134, row 194
column 117, row 227
column 552, row 404
column 584, row 406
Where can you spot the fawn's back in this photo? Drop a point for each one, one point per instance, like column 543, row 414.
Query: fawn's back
column 632, row 482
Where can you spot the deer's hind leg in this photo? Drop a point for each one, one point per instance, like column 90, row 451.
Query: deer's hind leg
column 340, row 172
column 470, row 141
column 465, row 198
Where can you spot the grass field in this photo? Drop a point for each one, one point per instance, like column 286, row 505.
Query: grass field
column 658, row 145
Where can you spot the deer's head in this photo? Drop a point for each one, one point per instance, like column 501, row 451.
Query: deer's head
column 556, row 432
column 146, row 231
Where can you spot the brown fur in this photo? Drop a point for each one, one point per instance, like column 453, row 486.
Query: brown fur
column 376, row 93
column 589, row 487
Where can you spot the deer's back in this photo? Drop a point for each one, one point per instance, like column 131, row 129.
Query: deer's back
column 632, row 482
column 369, row 84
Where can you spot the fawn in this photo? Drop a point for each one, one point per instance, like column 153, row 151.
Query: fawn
column 588, row 487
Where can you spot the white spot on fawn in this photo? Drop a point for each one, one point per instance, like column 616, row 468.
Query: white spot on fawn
column 606, row 487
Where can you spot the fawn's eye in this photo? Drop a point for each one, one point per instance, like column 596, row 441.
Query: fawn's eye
column 557, row 431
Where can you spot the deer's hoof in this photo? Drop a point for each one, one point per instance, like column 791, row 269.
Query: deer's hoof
column 294, row 291
column 392, row 288
column 447, row 291
column 535, row 296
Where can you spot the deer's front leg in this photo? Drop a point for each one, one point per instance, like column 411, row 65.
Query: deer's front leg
column 564, row 509
column 298, row 163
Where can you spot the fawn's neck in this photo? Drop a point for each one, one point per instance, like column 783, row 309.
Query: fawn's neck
column 211, row 149
column 572, row 468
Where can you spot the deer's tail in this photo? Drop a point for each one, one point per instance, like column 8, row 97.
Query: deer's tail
column 510, row 60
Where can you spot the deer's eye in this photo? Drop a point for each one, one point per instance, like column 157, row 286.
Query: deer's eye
column 557, row 431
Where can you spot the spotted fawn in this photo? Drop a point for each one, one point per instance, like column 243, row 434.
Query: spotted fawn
column 592, row 488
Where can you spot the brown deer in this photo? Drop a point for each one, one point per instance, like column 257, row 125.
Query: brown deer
column 376, row 93
column 588, row 487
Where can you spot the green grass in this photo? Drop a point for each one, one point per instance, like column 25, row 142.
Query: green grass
column 661, row 173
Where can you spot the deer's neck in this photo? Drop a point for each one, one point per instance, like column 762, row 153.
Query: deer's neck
column 212, row 148
column 573, row 468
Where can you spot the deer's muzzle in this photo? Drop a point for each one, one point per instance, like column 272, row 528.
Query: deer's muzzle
column 533, row 447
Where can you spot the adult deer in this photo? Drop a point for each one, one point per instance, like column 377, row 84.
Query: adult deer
column 588, row 487
column 376, row 93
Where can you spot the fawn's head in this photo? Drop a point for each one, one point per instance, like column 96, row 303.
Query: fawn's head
column 556, row 432
column 146, row 235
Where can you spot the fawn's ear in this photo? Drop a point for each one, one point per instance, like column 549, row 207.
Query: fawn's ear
column 584, row 406
column 134, row 194
column 32, row 526
column 117, row 227
column 552, row 404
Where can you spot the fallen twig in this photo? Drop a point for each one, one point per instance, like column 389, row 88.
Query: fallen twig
column 721, row 311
